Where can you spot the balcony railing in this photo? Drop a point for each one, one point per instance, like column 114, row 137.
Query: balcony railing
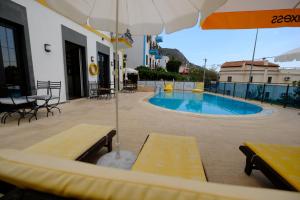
column 159, row 39
column 158, row 56
column 125, row 40
column 153, row 52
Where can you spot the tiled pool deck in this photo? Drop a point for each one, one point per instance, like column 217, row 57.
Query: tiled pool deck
column 218, row 137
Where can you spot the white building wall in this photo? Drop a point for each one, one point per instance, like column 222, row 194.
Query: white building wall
column 278, row 76
column 135, row 54
column 138, row 54
column 45, row 27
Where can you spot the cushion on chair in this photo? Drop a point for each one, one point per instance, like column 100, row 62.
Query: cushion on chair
column 80, row 180
column 284, row 159
column 41, row 97
column 17, row 101
column 71, row 143
column 171, row 156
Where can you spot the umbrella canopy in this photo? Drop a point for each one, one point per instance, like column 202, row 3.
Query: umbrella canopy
column 139, row 16
column 289, row 56
column 247, row 14
column 131, row 71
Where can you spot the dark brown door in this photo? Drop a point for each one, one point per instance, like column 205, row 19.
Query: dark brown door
column 75, row 72
column 104, row 74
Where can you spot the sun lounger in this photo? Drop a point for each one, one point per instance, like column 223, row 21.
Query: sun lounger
column 46, row 177
column 168, row 87
column 279, row 163
column 170, row 155
column 76, row 142
column 199, row 87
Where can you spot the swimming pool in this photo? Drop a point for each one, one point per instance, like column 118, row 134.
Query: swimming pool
column 203, row 103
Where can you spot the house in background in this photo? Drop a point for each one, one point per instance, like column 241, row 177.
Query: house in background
column 262, row 72
column 39, row 44
column 144, row 51
column 163, row 61
column 183, row 69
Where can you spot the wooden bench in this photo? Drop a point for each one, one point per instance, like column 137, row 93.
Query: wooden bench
column 171, row 155
column 279, row 163
column 76, row 143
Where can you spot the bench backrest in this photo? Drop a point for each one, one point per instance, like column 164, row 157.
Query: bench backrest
column 80, row 180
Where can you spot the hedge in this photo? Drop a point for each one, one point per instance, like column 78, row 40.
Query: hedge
column 146, row 73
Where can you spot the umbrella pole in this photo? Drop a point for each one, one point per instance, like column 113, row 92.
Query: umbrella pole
column 117, row 159
column 117, row 81
column 253, row 55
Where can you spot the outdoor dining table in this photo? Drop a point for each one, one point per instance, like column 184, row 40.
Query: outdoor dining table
column 129, row 87
column 17, row 105
column 105, row 92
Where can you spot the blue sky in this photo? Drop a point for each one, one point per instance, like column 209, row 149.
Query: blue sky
column 219, row 46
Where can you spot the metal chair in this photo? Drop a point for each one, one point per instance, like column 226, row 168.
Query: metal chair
column 49, row 87
column 54, row 86
column 93, row 89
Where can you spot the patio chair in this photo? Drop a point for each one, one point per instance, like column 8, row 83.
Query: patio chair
column 44, row 92
column 279, row 163
column 41, row 93
column 14, row 103
column 54, row 96
column 93, row 89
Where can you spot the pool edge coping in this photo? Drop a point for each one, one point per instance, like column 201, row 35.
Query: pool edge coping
column 267, row 110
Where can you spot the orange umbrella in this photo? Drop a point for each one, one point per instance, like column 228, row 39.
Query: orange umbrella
column 248, row 14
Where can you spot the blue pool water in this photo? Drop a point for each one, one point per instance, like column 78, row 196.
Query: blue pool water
column 203, row 103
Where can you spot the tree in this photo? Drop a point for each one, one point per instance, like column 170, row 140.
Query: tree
column 196, row 74
column 173, row 65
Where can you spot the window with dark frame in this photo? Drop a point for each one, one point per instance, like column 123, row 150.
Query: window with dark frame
column 12, row 74
column 251, row 79
column 270, row 79
column 229, row 78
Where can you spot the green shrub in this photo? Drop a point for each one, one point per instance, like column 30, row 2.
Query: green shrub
column 146, row 73
column 173, row 66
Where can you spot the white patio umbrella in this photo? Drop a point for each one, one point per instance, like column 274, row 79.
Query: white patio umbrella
column 289, row 56
column 140, row 17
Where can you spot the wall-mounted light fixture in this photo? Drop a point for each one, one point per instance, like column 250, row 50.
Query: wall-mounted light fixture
column 92, row 59
column 47, row 47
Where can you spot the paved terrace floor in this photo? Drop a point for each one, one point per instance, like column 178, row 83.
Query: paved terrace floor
column 218, row 137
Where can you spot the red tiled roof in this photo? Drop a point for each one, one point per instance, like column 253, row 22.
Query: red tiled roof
column 248, row 62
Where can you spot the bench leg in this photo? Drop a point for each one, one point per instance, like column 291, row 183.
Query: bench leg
column 109, row 139
column 248, row 167
column 109, row 144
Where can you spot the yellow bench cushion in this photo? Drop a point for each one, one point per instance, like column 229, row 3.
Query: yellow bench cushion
column 285, row 160
column 80, row 180
column 171, row 156
column 71, row 143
